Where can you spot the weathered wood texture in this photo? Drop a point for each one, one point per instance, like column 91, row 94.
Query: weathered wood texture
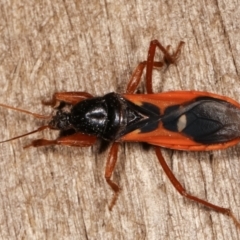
column 60, row 192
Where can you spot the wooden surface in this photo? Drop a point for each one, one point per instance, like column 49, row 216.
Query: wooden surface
column 60, row 192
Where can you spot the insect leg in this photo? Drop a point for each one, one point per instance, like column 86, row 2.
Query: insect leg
column 168, row 59
column 68, row 97
column 184, row 193
column 137, row 74
column 111, row 162
column 75, row 140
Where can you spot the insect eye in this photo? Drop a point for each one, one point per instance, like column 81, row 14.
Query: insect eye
column 60, row 121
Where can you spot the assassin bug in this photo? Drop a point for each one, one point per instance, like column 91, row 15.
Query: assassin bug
column 180, row 120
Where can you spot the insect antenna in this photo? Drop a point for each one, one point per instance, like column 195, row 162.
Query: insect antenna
column 23, row 135
column 36, row 115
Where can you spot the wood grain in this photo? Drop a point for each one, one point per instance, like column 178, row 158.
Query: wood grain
column 60, row 192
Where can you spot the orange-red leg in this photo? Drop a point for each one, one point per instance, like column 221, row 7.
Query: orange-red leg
column 68, row 97
column 131, row 88
column 184, row 193
column 74, row 140
column 111, row 162
column 137, row 74
column 168, row 59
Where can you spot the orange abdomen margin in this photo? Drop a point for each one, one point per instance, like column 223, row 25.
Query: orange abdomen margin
column 168, row 139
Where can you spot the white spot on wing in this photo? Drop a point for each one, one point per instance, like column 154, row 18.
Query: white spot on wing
column 182, row 122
